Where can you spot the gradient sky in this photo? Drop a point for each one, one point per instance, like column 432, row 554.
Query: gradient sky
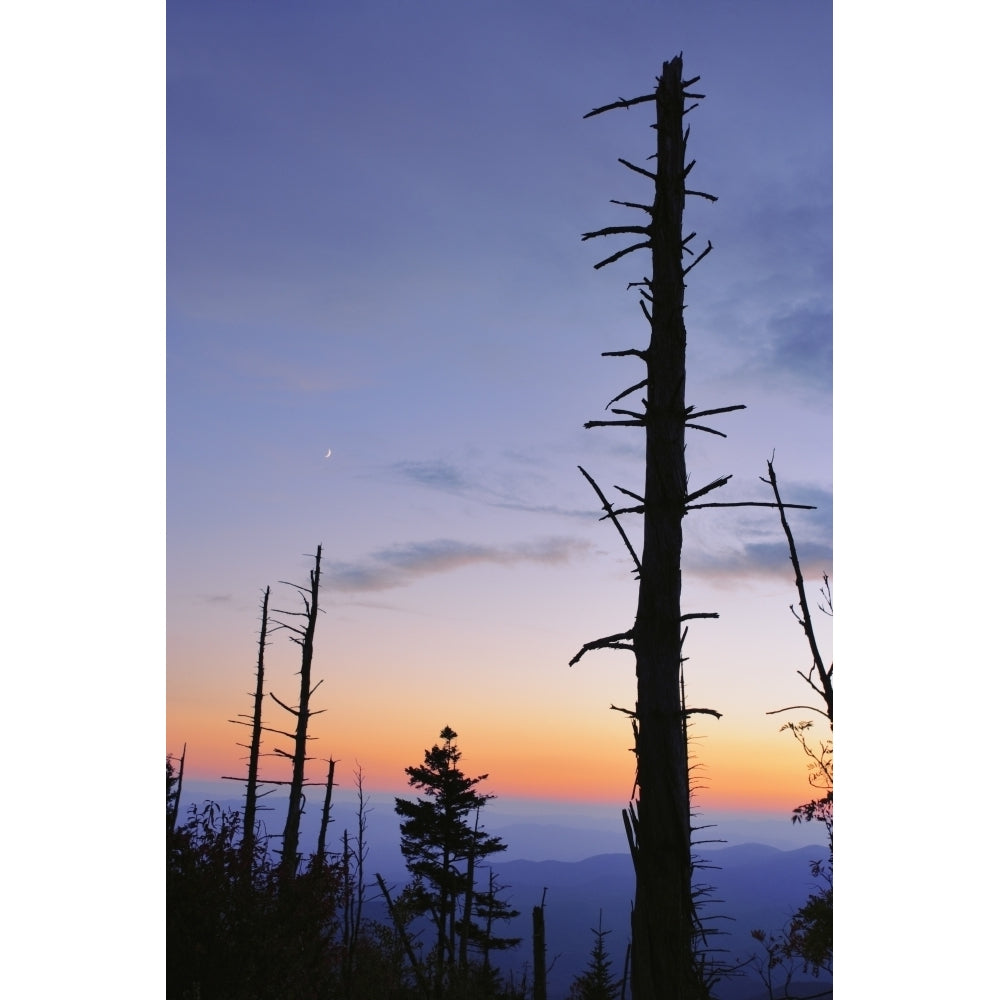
column 373, row 247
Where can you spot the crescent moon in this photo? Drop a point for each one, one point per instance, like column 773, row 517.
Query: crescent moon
column 329, row 452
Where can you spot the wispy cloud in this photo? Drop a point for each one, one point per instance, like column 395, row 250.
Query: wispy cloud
column 402, row 564
column 800, row 347
column 760, row 559
column 437, row 475
column 450, row 478
column 770, row 324
column 755, row 545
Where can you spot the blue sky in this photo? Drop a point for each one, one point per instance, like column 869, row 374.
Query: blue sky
column 374, row 220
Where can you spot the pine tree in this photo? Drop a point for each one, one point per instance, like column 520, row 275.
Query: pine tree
column 443, row 846
column 597, row 983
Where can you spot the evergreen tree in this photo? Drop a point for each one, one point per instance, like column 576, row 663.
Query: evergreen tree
column 443, row 845
column 597, row 983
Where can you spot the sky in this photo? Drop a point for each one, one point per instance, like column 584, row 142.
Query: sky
column 384, row 336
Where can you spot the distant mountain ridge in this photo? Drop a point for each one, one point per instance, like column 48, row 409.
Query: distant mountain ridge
column 755, row 886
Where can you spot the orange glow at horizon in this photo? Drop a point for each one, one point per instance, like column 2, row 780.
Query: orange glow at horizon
column 728, row 773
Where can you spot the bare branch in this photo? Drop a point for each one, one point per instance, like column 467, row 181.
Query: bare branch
column 615, row 230
column 753, row 503
column 811, row 683
column 795, row 708
column 631, row 388
column 628, row 510
column 629, row 493
column 638, row 170
column 263, row 729
column 621, row 103
column 712, row 412
column 624, row 354
column 701, row 194
column 294, row 711
column 614, row 423
column 611, row 513
column 806, row 619
column 619, row 641
column 699, row 258
column 714, row 485
column 622, row 253
column 632, row 204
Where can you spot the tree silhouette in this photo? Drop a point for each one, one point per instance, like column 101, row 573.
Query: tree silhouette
column 443, row 845
column 668, row 957
column 256, row 726
column 808, row 936
column 597, row 982
column 302, row 635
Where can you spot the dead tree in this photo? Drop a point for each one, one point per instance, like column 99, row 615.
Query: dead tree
column 353, row 868
column 256, row 725
column 538, row 949
column 175, row 782
column 253, row 767
column 303, row 635
column 820, row 677
column 665, row 928
column 404, row 937
column 808, row 937
column 324, row 823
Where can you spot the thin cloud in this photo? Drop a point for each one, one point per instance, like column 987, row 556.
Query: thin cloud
column 530, row 508
column 754, row 544
column 400, row 565
column 773, row 316
column 436, row 475
column 761, row 559
column 449, row 478
column 800, row 347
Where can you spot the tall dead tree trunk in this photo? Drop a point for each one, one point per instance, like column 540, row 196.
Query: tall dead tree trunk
column 324, row 823
column 820, row 677
column 175, row 782
column 540, row 978
column 664, row 922
column 304, row 636
column 249, row 843
column 665, row 953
